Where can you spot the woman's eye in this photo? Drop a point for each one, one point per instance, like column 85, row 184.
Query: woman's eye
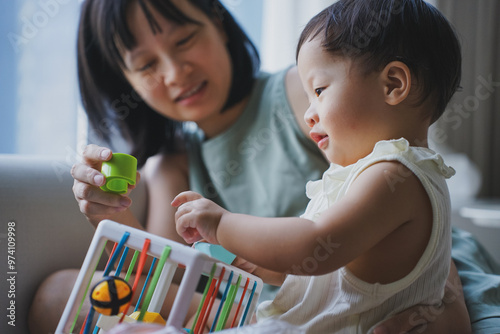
column 146, row 67
column 318, row 91
column 185, row 40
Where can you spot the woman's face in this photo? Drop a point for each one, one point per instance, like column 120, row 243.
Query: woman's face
column 183, row 71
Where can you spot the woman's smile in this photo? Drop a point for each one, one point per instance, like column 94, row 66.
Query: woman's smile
column 192, row 95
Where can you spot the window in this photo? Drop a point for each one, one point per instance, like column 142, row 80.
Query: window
column 38, row 82
column 41, row 112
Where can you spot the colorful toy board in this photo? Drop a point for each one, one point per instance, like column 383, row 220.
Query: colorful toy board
column 237, row 290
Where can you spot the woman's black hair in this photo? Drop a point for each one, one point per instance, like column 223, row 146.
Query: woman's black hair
column 376, row 32
column 110, row 101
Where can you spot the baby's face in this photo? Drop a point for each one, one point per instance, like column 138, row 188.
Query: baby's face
column 345, row 105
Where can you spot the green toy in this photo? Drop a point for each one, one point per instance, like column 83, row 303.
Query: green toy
column 120, row 171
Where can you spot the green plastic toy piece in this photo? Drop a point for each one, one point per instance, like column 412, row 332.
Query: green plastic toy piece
column 120, row 171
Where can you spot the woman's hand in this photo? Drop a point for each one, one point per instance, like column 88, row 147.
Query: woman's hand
column 450, row 317
column 95, row 203
column 197, row 218
column 267, row 276
column 243, row 264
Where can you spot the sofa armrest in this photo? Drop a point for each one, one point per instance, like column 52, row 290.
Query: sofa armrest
column 36, row 199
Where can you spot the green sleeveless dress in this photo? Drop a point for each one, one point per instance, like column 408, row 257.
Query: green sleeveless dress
column 261, row 164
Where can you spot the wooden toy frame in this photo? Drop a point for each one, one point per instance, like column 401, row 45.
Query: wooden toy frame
column 170, row 255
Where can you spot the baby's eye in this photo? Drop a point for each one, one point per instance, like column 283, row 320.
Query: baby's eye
column 318, row 91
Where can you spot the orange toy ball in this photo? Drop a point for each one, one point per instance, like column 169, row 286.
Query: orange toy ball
column 111, row 295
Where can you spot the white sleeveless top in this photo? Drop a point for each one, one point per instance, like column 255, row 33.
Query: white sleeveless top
column 339, row 302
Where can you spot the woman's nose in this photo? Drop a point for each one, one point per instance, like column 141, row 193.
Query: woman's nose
column 311, row 116
column 175, row 72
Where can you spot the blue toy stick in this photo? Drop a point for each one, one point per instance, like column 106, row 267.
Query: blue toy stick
column 224, row 296
column 242, row 322
column 145, row 283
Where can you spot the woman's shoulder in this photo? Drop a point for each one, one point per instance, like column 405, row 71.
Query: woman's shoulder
column 284, row 88
column 297, row 97
column 165, row 164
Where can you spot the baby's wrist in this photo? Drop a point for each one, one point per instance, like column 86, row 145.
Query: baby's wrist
column 221, row 226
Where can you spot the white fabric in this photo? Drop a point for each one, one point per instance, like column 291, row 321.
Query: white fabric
column 265, row 327
column 340, row 302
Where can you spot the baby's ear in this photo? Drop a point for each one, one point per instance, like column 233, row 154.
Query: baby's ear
column 396, row 78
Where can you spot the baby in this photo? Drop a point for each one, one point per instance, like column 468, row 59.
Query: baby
column 375, row 237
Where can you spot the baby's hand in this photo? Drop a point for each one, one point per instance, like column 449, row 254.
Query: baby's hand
column 197, row 218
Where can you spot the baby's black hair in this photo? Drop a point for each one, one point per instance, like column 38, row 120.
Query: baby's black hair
column 107, row 95
column 376, row 32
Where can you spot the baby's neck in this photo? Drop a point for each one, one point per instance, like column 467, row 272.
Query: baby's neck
column 411, row 124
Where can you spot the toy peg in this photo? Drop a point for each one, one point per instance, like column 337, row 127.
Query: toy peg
column 149, row 317
column 120, row 171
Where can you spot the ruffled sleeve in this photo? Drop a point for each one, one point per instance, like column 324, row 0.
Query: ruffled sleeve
column 416, row 155
column 336, row 179
column 323, row 193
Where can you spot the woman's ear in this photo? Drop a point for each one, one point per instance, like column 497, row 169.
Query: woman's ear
column 396, row 79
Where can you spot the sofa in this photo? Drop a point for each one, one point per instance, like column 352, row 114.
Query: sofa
column 49, row 233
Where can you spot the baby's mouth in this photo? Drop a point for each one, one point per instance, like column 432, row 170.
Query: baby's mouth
column 320, row 139
column 317, row 137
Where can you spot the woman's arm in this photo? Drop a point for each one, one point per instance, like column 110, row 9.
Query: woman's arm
column 166, row 176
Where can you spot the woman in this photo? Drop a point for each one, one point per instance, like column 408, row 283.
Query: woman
column 200, row 116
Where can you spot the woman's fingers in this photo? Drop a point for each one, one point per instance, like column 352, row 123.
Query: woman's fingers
column 88, row 179
column 84, row 191
column 96, row 209
column 92, row 200
column 244, row 265
column 94, row 155
column 87, row 174
column 88, row 170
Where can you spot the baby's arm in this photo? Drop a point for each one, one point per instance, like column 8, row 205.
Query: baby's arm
column 371, row 210
column 198, row 218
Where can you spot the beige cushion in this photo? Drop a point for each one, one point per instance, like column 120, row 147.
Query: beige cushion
column 51, row 233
